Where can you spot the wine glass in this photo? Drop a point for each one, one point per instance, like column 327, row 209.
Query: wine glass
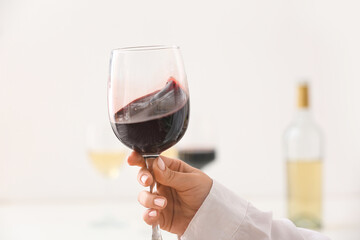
column 199, row 147
column 106, row 155
column 148, row 101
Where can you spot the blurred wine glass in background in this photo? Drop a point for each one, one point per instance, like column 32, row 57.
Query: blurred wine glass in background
column 105, row 152
column 107, row 156
column 198, row 149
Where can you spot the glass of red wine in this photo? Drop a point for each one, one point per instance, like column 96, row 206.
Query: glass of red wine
column 148, row 101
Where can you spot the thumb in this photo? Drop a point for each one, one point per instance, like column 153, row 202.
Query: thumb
column 168, row 177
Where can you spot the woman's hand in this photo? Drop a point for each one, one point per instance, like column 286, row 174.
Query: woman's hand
column 181, row 189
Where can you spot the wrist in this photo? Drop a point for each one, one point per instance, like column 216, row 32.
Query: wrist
column 199, row 194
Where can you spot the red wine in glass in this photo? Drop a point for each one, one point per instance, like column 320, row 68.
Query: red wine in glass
column 148, row 101
column 155, row 122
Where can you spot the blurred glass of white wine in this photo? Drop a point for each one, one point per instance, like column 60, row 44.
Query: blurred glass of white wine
column 105, row 152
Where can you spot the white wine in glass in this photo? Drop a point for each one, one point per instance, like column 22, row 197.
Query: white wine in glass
column 105, row 153
column 106, row 156
column 107, row 163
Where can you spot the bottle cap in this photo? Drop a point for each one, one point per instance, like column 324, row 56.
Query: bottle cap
column 303, row 95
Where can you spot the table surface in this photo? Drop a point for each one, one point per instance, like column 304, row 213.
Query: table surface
column 123, row 220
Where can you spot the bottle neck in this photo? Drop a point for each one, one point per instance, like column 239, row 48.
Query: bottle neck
column 303, row 96
column 303, row 113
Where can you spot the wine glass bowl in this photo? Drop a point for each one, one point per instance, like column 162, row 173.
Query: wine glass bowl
column 154, row 122
column 148, row 100
column 148, row 97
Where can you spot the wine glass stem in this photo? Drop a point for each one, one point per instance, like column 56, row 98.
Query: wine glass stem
column 156, row 234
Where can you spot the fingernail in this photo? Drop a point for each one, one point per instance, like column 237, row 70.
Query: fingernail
column 144, row 178
column 161, row 164
column 159, row 202
column 153, row 213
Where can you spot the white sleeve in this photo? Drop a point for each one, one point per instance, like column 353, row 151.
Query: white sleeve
column 225, row 216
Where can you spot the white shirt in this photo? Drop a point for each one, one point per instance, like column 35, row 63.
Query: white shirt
column 225, row 216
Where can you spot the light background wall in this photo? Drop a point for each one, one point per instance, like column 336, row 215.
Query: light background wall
column 242, row 60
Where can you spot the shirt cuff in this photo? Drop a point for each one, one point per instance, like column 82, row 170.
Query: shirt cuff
column 219, row 217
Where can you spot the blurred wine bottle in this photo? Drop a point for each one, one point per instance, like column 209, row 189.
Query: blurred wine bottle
column 303, row 152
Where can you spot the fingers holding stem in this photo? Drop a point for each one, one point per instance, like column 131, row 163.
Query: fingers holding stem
column 135, row 159
column 154, row 203
column 153, row 216
column 144, row 177
column 150, row 200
